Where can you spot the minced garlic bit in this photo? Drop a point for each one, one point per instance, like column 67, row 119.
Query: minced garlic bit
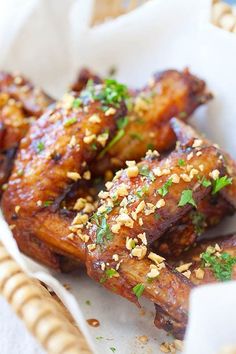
column 115, row 257
column 75, row 176
column 143, row 238
column 110, row 111
column 80, row 219
column 130, row 243
column 183, row 267
column 91, row 247
column 139, row 251
column 102, row 138
column 132, row 171
column 175, row 178
column 154, row 271
column 160, row 203
column 156, row 258
column 122, row 190
column 185, row 177
column 214, row 174
column 197, row 143
column 17, row 208
column 95, row 118
column 87, row 175
column 199, row 273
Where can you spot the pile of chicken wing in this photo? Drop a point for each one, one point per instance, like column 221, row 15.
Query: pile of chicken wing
column 116, row 181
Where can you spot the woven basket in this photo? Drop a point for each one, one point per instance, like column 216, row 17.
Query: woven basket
column 43, row 314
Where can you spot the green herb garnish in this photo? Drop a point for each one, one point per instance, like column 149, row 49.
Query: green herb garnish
column 142, row 191
column 164, row 190
column 181, row 162
column 122, row 122
column 94, row 146
column 150, row 146
column 77, row 103
column 138, row 290
column 220, row 183
column 109, row 273
column 145, row 171
column 206, row 182
column 198, row 220
column 113, row 349
column 222, row 266
column 48, row 203
column 103, row 230
column 187, row 198
column 88, row 302
column 70, row 121
column 40, row 147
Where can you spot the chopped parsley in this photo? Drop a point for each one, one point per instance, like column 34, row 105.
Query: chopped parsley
column 181, row 162
column 77, row 103
column 99, row 337
column 113, row 349
column 198, row 220
column 145, row 171
column 164, row 190
column 40, row 146
column 103, row 231
column 94, row 146
column 220, row 183
column 109, row 273
column 142, row 191
column 121, row 124
column 206, row 182
column 112, row 93
column 70, row 121
column 222, row 265
column 48, row 203
column 187, row 198
column 138, row 290
column 136, row 136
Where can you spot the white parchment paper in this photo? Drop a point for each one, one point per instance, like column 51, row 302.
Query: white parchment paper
column 49, row 41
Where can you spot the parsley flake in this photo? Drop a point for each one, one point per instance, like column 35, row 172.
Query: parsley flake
column 187, row 198
column 221, row 266
column 122, row 122
column 145, row 171
column 181, row 162
column 164, row 190
column 113, row 349
column 48, row 203
column 142, row 191
column 77, row 103
column 138, row 290
column 220, row 183
column 103, row 230
column 70, row 121
column 206, row 182
column 198, row 220
column 40, row 146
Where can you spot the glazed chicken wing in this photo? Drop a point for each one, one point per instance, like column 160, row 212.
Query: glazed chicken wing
column 146, row 126
column 20, row 104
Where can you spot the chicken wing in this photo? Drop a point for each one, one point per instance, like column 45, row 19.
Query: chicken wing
column 20, row 104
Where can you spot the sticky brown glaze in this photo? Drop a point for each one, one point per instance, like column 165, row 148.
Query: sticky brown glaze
column 169, row 93
column 211, row 211
column 156, row 220
column 84, row 76
column 226, row 243
column 60, row 142
column 20, row 104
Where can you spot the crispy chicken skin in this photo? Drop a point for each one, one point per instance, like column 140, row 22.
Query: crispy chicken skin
column 125, row 216
column 55, row 153
column 20, row 104
column 169, row 93
column 210, row 211
column 223, row 244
